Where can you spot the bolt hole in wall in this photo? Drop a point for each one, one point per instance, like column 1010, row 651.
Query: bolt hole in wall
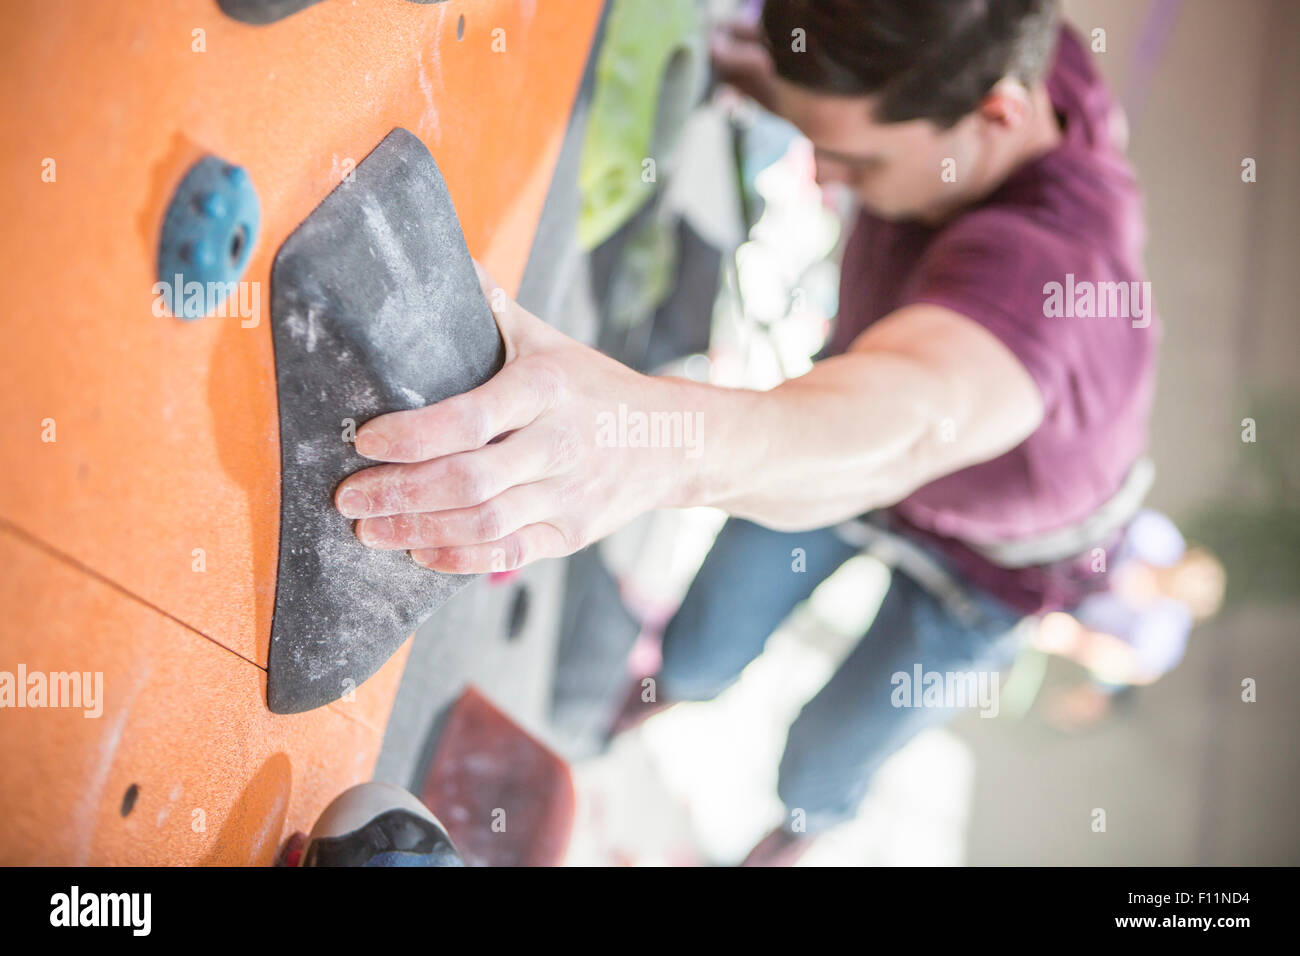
column 518, row 614
column 237, row 240
column 129, row 798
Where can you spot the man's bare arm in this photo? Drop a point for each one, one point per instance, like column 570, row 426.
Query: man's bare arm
column 922, row 393
column 519, row 468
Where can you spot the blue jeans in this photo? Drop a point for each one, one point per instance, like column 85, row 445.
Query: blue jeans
column 746, row 588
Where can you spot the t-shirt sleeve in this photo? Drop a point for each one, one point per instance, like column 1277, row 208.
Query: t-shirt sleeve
column 1157, row 634
column 1105, row 612
column 1160, row 638
column 1152, row 537
column 993, row 268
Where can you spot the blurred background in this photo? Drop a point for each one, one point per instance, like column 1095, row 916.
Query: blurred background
column 1186, row 771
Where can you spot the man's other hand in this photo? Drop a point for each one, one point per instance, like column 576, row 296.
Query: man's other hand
column 741, row 60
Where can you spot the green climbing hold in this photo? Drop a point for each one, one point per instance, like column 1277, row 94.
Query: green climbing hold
column 652, row 69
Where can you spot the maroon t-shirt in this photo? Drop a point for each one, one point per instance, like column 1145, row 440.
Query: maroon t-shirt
column 1072, row 217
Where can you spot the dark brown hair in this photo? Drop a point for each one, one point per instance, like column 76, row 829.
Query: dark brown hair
column 923, row 59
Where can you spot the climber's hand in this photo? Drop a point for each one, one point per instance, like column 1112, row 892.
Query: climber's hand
column 741, row 60
column 525, row 466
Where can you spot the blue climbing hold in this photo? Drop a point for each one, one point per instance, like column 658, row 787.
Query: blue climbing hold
column 207, row 238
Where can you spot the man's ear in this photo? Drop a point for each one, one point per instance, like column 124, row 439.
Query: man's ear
column 1007, row 104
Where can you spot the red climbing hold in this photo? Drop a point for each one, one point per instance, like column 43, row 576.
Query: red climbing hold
column 505, row 798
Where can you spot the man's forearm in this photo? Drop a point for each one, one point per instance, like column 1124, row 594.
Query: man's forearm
column 854, row 433
column 921, row 394
column 564, row 445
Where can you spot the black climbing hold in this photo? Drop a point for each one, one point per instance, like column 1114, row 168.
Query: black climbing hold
column 261, row 12
column 375, row 307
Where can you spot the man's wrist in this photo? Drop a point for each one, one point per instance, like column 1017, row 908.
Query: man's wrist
column 720, row 447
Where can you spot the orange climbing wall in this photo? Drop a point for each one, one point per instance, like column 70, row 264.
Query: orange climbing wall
column 218, row 777
column 166, row 437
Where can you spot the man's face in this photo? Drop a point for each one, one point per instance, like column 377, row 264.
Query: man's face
column 896, row 170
